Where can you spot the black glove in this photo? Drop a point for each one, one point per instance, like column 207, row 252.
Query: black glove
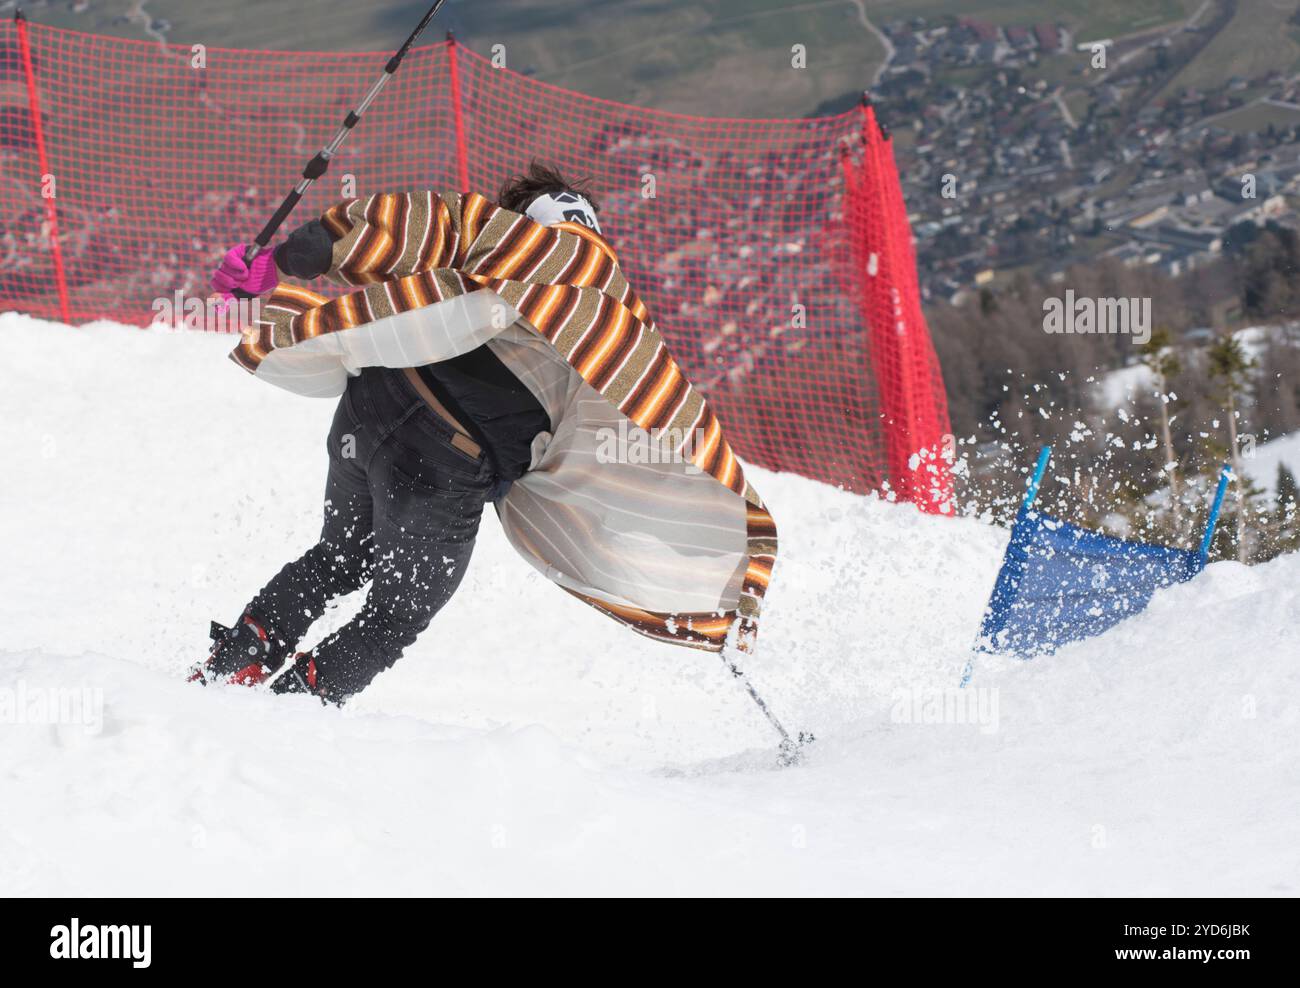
column 307, row 253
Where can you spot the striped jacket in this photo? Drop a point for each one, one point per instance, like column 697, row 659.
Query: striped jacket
column 634, row 501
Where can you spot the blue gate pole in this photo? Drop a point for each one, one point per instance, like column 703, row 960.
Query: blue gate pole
column 1039, row 469
column 1224, row 475
column 1031, row 493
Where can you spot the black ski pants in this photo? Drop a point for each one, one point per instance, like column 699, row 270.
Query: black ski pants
column 402, row 509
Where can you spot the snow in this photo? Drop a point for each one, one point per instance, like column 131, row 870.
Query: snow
column 1123, row 386
column 527, row 745
column 1261, row 464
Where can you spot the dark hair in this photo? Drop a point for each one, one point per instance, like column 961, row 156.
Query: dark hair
column 518, row 193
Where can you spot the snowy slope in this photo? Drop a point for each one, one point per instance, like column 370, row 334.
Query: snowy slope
column 1261, row 467
column 528, row 745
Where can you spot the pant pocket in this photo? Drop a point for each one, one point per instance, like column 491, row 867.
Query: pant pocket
column 435, row 504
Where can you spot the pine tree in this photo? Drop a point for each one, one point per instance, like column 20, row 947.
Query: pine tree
column 1159, row 354
column 1230, row 367
column 1288, row 510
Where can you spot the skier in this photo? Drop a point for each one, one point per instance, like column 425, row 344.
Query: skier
column 495, row 354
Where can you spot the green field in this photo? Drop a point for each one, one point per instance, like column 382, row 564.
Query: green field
column 720, row 57
column 1090, row 19
column 710, row 57
column 1257, row 117
column 1256, row 40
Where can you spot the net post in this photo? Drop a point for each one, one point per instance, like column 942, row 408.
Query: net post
column 891, row 344
column 462, row 154
column 1213, row 520
column 38, row 134
column 846, row 173
column 928, row 413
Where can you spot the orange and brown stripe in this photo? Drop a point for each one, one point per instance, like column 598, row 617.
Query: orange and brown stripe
column 474, row 215
column 696, row 630
column 591, row 354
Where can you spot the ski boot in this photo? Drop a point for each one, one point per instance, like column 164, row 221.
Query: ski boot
column 302, row 677
column 244, row 655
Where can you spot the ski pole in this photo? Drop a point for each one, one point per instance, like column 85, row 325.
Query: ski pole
column 790, row 747
column 318, row 165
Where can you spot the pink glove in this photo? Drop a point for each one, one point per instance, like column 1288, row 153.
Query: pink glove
column 252, row 279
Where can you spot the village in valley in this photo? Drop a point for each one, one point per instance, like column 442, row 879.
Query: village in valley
column 1037, row 146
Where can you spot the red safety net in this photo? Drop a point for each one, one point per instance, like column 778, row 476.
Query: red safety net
column 775, row 255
